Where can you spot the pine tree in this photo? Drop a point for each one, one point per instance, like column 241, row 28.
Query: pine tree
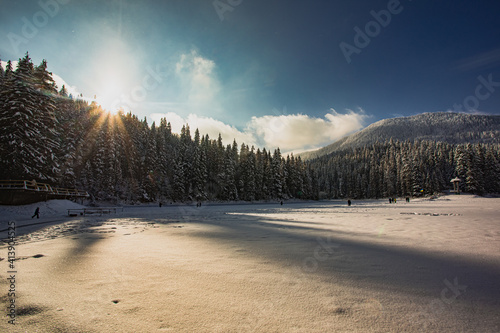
column 179, row 179
column 226, row 176
column 22, row 129
column 70, row 128
column 63, row 92
column 492, row 170
column 473, row 174
column 48, row 126
column 276, row 175
column 246, row 173
column 462, row 161
column 200, row 176
column 259, row 175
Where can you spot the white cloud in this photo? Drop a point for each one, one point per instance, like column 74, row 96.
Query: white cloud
column 213, row 127
column 291, row 133
column 302, row 132
column 199, row 83
column 207, row 125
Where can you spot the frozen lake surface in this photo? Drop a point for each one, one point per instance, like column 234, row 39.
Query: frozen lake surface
column 427, row 265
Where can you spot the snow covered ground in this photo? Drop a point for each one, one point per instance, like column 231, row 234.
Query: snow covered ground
column 427, row 265
column 51, row 208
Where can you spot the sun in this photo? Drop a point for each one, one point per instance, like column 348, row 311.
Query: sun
column 112, row 75
column 110, row 94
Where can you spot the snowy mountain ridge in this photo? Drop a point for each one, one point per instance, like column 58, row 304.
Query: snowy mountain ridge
column 450, row 127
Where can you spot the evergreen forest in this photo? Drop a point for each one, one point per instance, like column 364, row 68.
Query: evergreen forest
column 396, row 168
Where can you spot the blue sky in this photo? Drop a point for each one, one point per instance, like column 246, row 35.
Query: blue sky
column 295, row 74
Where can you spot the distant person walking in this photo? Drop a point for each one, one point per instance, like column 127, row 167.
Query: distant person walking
column 37, row 213
column 349, row 203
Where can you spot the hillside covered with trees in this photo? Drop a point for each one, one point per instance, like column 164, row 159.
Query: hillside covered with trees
column 404, row 168
column 451, row 127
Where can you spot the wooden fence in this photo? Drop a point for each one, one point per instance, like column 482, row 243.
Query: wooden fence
column 18, row 192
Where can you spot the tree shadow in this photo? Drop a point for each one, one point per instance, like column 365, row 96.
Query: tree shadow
column 337, row 256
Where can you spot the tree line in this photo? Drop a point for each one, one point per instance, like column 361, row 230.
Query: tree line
column 53, row 137
column 404, row 168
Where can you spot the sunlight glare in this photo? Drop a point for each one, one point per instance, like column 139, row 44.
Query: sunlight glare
column 111, row 88
column 113, row 75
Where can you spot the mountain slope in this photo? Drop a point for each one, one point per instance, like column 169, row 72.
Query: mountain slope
column 439, row 126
